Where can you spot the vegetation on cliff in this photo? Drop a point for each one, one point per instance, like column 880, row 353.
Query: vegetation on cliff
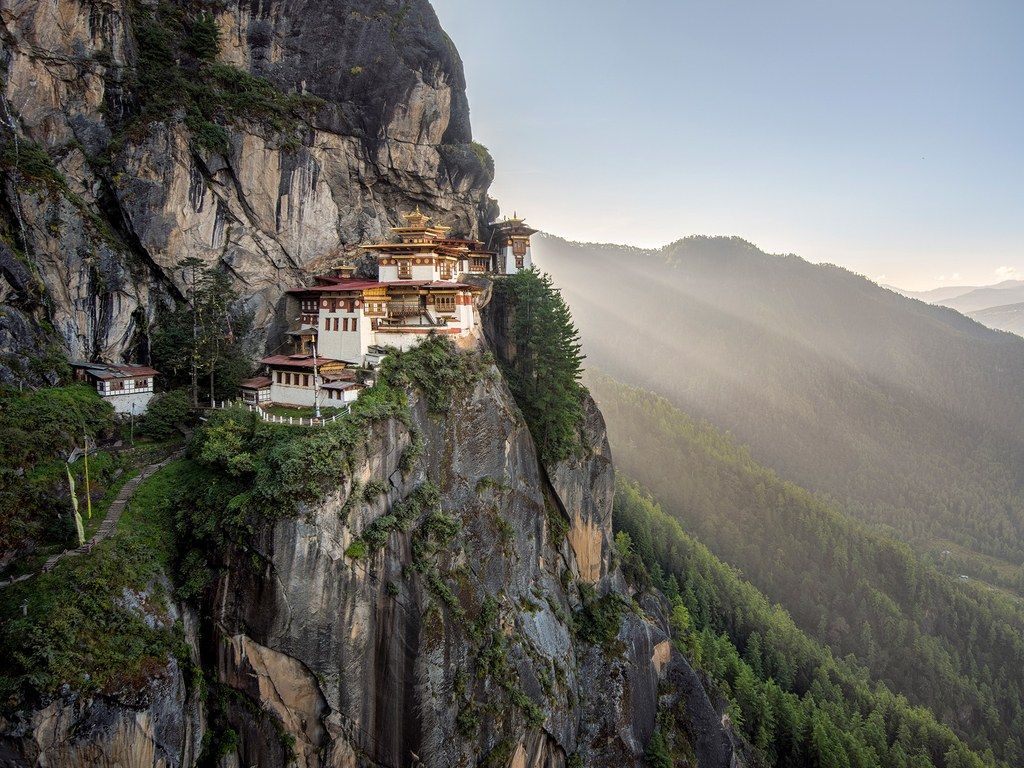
column 178, row 72
column 39, row 429
column 250, row 472
column 544, row 375
column 789, row 696
column 954, row 647
column 100, row 622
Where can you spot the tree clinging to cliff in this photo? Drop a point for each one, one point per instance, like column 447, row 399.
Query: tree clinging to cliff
column 545, row 373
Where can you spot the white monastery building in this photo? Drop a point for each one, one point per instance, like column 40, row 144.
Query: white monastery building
column 349, row 322
column 128, row 388
column 513, row 239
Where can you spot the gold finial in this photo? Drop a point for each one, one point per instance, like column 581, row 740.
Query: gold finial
column 416, row 218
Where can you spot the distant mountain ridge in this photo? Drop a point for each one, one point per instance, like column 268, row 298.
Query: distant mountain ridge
column 911, row 414
column 1009, row 317
column 979, row 302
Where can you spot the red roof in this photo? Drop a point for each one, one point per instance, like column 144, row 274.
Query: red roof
column 296, row 361
column 342, row 284
column 339, row 284
column 260, row 382
column 426, row 284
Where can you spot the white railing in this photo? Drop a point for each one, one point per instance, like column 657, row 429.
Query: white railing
column 271, row 418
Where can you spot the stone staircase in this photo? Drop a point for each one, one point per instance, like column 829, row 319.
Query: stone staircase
column 109, row 525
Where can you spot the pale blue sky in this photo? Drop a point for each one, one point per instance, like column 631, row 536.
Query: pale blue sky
column 883, row 136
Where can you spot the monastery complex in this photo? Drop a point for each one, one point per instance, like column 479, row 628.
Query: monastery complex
column 341, row 327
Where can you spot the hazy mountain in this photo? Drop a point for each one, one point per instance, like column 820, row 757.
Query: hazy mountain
column 935, row 295
column 1006, row 318
column 970, row 299
column 1010, row 292
column 912, row 415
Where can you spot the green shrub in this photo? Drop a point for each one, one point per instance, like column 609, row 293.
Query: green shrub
column 165, row 414
column 77, row 627
column 598, row 620
column 375, row 488
column 51, row 420
column 32, row 163
column 484, row 156
column 357, row 550
column 657, row 753
column 436, row 368
column 376, row 534
column 203, row 40
column 411, row 453
column 38, row 429
column 558, row 526
column 500, row 755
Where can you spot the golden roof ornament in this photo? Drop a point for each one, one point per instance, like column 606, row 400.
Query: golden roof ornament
column 416, row 218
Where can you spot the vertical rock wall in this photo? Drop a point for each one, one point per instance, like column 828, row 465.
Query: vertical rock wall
column 101, row 237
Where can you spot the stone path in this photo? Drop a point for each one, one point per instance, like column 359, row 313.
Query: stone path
column 109, row 525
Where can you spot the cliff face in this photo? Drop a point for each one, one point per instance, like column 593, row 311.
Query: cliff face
column 97, row 211
column 489, row 624
column 159, row 724
column 454, row 642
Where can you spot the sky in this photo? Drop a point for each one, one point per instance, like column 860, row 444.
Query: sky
column 887, row 137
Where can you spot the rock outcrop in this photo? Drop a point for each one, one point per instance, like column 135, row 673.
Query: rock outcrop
column 158, row 725
column 488, row 625
column 456, row 641
column 102, row 229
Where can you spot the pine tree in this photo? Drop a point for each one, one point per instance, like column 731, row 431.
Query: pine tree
column 205, row 338
column 545, row 371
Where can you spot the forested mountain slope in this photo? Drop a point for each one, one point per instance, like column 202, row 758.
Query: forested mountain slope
column 796, row 703
column 911, row 414
column 1007, row 317
column 956, row 648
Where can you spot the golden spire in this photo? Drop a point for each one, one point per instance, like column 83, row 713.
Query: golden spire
column 416, row 218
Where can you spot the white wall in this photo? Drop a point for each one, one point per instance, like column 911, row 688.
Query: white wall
column 402, row 341
column 289, row 394
column 466, row 316
column 123, row 403
column 425, row 272
column 508, row 259
column 344, row 345
column 348, row 396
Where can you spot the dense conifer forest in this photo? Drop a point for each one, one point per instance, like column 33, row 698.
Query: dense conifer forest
column 956, row 648
column 791, row 698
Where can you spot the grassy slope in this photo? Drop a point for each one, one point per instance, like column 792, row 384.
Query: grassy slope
column 81, row 624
